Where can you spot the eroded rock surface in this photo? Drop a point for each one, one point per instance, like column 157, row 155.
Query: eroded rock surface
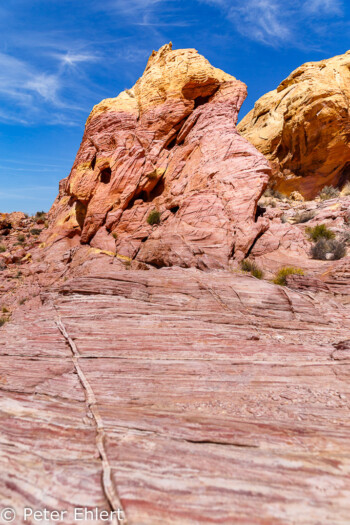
column 168, row 144
column 220, row 399
column 303, row 127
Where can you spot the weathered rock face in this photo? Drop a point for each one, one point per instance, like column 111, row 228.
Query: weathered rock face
column 168, row 144
column 304, row 127
column 214, row 398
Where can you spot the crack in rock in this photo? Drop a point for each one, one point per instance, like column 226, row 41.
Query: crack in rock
column 107, row 483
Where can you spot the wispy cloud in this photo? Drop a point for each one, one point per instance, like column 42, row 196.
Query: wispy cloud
column 260, row 20
column 275, row 22
column 71, row 58
column 324, row 7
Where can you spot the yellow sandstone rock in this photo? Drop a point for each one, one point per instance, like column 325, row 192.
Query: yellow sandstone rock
column 304, row 127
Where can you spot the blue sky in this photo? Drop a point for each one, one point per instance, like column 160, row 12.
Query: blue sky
column 60, row 57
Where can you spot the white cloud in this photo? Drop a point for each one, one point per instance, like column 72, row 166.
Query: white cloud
column 274, row 22
column 323, row 7
column 71, row 58
column 19, row 81
column 260, row 20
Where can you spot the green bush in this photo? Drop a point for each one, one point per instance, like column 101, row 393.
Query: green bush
column 3, row 320
column 251, row 267
column 2, row 248
column 153, row 217
column 319, row 232
column 323, row 247
column 329, row 192
column 21, row 238
column 35, row 231
column 281, row 276
column 4, row 310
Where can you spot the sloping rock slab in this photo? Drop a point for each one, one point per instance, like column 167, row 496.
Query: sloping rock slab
column 180, row 397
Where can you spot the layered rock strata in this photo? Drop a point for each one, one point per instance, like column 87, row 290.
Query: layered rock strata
column 168, row 145
column 303, row 127
column 219, row 399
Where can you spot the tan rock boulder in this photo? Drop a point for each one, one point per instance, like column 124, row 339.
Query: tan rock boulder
column 304, row 127
column 169, row 144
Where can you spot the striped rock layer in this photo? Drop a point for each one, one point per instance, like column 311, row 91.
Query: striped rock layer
column 169, row 144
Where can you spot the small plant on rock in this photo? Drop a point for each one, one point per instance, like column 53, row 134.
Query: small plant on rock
column 320, row 231
column 282, row 274
column 305, row 216
column 2, row 248
column 271, row 192
column 328, row 249
column 251, row 267
column 3, row 320
column 21, row 238
column 329, row 192
column 35, row 231
column 153, row 217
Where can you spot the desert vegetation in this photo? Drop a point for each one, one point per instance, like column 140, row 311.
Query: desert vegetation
column 153, row 217
column 282, row 274
column 252, row 268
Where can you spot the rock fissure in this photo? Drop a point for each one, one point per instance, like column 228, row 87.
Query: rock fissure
column 107, row 483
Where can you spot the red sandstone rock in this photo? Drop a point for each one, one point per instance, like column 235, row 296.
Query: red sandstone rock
column 219, row 398
column 168, row 144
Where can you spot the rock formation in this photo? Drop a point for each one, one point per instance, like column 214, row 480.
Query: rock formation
column 168, row 144
column 303, row 126
column 174, row 395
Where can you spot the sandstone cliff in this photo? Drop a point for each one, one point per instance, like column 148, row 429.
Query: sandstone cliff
column 304, row 127
column 167, row 145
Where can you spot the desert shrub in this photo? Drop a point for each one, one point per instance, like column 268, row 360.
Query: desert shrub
column 320, row 231
column 22, row 301
column 328, row 246
column 2, row 248
column 115, row 236
column 346, row 190
column 21, row 238
column 3, row 320
column 40, row 217
column 153, row 175
column 329, row 192
column 281, row 276
column 271, row 192
column 338, row 249
column 35, row 231
column 153, row 217
column 4, row 310
column 251, row 267
column 345, row 237
column 305, row 216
